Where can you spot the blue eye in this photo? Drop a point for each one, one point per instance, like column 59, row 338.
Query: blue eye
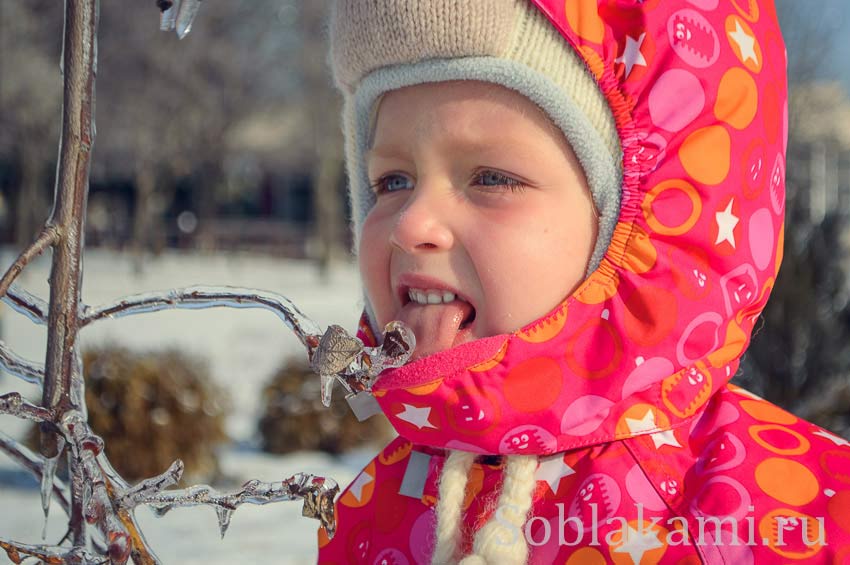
column 497, row 179
column 391, row 183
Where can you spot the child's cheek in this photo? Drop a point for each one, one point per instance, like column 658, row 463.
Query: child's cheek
column 374, row 263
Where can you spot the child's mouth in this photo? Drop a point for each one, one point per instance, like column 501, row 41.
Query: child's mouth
column 439, row 319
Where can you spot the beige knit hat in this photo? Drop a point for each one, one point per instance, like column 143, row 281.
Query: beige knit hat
column 383, row 45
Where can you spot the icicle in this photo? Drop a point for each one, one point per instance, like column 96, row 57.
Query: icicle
column 78, row 389
column 160, row 510
column 168, row 18
column 224, row 515
column 186, row 15
column 47, row 478
column 327, row 388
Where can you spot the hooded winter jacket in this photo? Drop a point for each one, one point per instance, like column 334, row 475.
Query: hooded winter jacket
column 647, row 453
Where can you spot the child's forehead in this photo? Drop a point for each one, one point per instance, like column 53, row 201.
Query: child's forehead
column 457, row 92
column 474, row 104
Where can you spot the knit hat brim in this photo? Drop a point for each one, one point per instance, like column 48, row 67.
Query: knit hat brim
column 603, row 172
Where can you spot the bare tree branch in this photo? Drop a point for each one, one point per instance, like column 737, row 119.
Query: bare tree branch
column 198, row 297
column 20, row 367
column 46, row 238
column 96, row 493
column 27, row 304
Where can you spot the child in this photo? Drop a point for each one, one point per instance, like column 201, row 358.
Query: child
column 578, row 208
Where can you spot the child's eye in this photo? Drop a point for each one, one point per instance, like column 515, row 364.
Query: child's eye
column 497, row 179
column 391, row 183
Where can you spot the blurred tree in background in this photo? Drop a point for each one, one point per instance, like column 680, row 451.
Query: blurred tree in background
column 30, row 104
column 224, row 139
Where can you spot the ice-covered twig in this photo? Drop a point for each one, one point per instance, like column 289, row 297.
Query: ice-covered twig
column 339, row 356
column 34, row 464
column 52, row 554
column 46, row 238
column 178, row 15
column 27, row 304
column 141, row 552
column 317, row 492
column 20, row 367
column 95, row 499
column 150, row 487
column 99, row 510
column 198, row 297
column 14, row 405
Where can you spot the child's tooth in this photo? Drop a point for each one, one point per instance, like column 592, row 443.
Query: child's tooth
column 420, row 297
column 448, row 296
column 434, row 298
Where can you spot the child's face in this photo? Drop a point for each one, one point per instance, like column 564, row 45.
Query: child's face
column 479, row 194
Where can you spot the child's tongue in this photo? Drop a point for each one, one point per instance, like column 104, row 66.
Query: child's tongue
column 436, row 326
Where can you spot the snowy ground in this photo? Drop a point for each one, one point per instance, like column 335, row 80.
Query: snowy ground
column 243, row 347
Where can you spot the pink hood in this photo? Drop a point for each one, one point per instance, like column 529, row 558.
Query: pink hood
column 699, row 96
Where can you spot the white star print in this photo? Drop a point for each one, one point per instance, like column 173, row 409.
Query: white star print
column 416, row 416
column 834, row 439
column 631, row 53
column 356, row 488
column 638, row 542
column 726, row 222
column 645, row 424
column 552, row 470
column 746, row 44
column 667, row 437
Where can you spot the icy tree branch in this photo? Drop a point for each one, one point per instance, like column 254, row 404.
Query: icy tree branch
column 317, row 492
column 19, row 367
column 198, row 297
column 98, row 509
column 46, row 238
column 97, row 494
column 27, row 304
column 17, row 552
column 14, row 405
column 150, row 487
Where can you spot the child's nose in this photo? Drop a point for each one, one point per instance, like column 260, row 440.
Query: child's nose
column 422, row 224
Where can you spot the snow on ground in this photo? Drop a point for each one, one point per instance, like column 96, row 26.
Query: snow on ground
column 243, row 347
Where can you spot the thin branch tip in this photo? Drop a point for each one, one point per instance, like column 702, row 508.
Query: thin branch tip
column 48, row 237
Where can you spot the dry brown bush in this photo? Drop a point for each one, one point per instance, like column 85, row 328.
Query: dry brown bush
column 152, row 408
column 293, row 417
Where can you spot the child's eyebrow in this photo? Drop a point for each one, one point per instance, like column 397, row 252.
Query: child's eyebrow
column 384, row 152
